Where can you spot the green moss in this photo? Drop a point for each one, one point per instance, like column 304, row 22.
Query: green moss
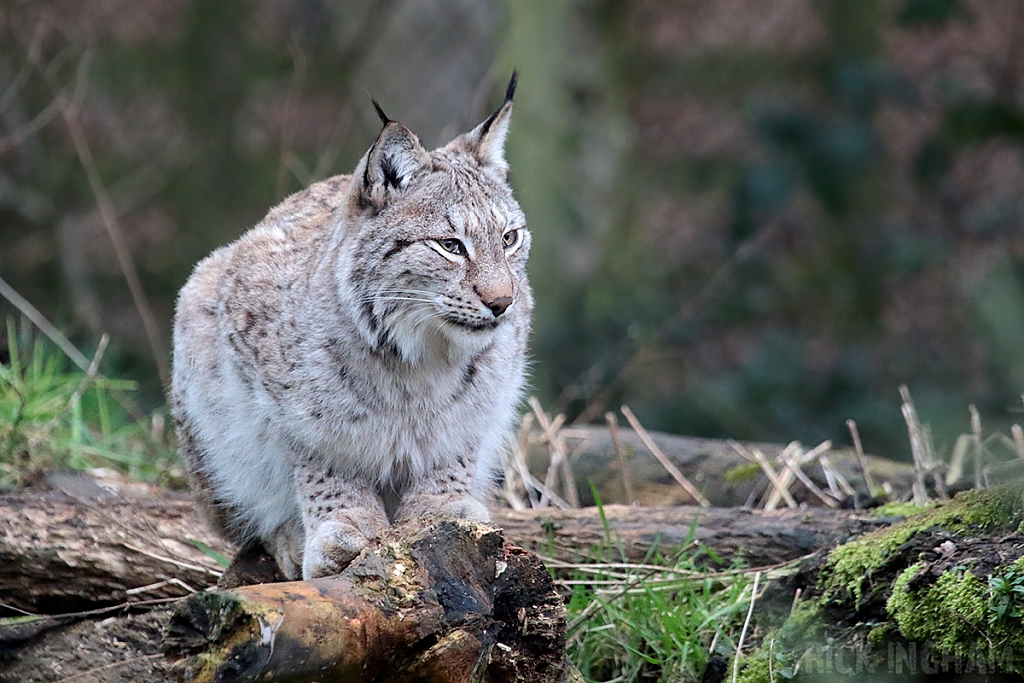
column 849, row 567
column 755, row 669
column 896, row 509
column 743, row 472
column 14, row 621
column 952, row 614
column 879, row 634
column 782, row 648
column 946, row 614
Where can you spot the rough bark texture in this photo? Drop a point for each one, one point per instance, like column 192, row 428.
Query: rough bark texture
column 452, row 602
column 64, row 554
column 760, row 538
column 61, row 554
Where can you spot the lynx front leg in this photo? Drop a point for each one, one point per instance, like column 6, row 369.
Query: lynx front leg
column 340, row 517
column 446, row 494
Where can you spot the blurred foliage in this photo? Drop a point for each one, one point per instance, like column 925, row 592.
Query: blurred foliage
column 751, row 219
column 826, row 236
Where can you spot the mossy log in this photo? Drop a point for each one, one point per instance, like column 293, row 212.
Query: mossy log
column 452, row 602
column 938, row 594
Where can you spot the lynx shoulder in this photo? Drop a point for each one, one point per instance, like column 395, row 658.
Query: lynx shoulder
column 356, row 359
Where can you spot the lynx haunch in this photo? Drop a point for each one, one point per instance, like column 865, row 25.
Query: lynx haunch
column 356, row 359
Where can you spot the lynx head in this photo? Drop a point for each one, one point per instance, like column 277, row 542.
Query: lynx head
column 440, row 256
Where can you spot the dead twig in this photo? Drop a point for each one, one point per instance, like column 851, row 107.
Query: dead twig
column 979, row 450
column 861, row 459
column 795, row 468
column 663, row 459
column 781, row 488
column 1018, row 440
column 44, row 326
column 613, row 431
column 919, row 446
column 558, row 464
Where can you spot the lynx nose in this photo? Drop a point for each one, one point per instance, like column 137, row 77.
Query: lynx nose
column 499, row 305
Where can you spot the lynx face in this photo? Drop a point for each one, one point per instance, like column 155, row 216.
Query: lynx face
column 447, row 250
column 456, row 269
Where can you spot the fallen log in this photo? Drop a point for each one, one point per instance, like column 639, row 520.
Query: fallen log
column 713, row 465
column 63, row 554
column 452, row 602
column 757, row 537
column 60, row 553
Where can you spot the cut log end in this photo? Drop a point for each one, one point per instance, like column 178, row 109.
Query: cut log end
column 452, row 603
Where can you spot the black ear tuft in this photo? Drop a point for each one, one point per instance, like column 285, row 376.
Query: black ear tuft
column 510, row 91
column 380, row 112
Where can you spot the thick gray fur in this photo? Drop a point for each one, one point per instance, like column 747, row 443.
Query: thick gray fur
column 357, row 358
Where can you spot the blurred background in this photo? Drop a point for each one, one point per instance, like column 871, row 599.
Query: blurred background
column 751, row 218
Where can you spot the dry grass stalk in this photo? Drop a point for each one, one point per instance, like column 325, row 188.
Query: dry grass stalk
column 515, row 487
column 1018, row 440
column 978, row 450
column 613, row 430
column 532, row 487
column 663, row 459
column 746, row 623
column 830, row 501
column 779, row 485
column 786, row 477
column 920, row 446
column 558, row 464
column 838, row 483
column 861, row 459
column 957, row 459
column 512, row 488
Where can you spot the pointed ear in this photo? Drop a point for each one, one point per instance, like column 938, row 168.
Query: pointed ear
column 490, row 135
column 391, row 162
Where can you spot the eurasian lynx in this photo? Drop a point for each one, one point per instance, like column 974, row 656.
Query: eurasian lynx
column 357, row 357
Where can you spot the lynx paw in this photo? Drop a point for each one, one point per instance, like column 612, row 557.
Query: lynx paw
column 430, row 508
column 285, row 544
column 335, row 543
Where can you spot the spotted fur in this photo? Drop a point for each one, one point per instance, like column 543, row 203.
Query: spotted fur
column 357, row 357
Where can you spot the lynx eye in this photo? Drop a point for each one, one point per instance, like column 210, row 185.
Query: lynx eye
column 510, row 238
column 453, row 246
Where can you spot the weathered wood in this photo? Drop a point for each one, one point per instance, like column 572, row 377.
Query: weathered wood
column 711, row 464
column 760, row 538
column 452, row 602
column 63, row 554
